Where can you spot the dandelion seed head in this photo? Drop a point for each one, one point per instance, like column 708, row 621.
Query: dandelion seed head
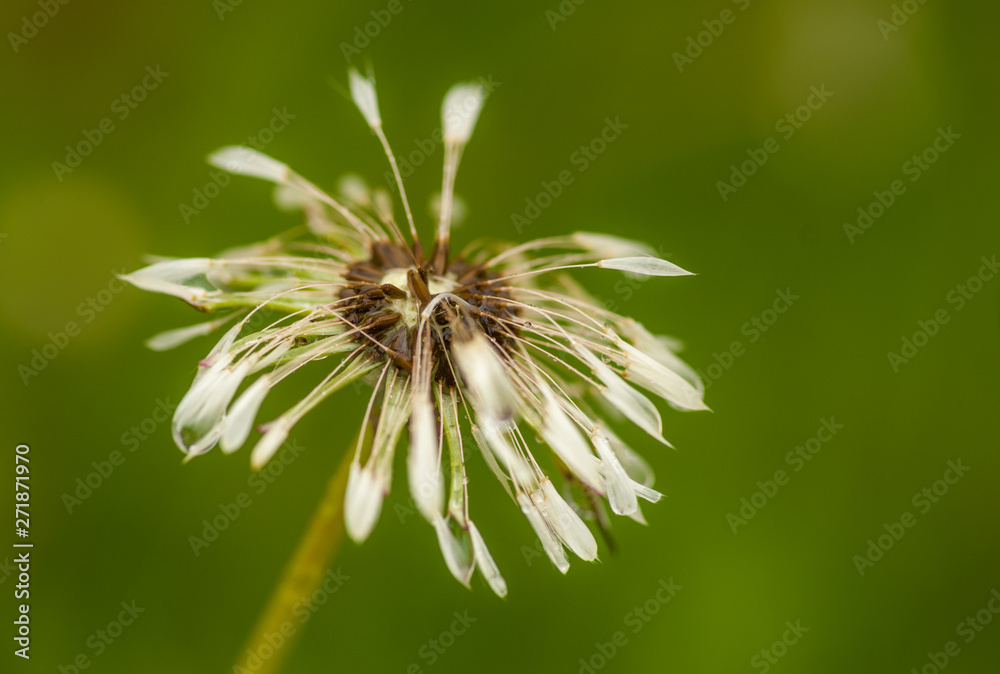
column 492, row 352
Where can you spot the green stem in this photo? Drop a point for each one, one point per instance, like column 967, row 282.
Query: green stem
column 277, row 628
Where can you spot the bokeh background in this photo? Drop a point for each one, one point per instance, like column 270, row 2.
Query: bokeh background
column 562, row 70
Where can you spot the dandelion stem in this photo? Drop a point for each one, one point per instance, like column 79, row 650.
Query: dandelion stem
column 301, row 577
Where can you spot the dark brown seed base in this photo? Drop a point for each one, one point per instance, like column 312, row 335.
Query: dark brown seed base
column 366, row 304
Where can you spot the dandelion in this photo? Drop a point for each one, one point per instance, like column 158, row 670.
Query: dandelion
column 493, row 350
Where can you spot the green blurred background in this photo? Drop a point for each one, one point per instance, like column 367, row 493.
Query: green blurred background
column 860, row 295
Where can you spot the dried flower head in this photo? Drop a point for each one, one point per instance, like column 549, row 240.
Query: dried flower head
column 483, row 344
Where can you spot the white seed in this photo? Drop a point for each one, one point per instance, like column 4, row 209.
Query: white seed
column 422, row 462
column 362, row 502
column 245, row 161
column 460, row 110
column 363, row 93
column 644, row 266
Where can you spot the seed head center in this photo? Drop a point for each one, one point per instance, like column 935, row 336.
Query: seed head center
column 409, row 307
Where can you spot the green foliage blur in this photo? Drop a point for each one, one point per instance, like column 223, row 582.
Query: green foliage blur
column 784, row 151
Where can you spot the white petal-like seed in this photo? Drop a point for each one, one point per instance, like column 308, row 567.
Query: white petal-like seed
column 460, row 110
column 354, row 189
column 362, row 502
column 224, row 344
column 269, row 443
column 224, row 390
column 363, row 93
column 496, row 439
column 657, row 378
column 382, row 204
column 644, row 492
column 170, row 339
column 291, row 198
column 456, row 552
column 645, row 266
column 194, row 401
column 623, row 397
column 553, row 548
column 422, row 462
column 637, row 468
column 621, row 494
column 564, row 437
column 245, row 161
column 459, row 209
column 201, row 409
column 204, row 443
column 242, row 413
column 484, row 375
column 663, row 349
column 484, row 561
column 168, row 277
column 564, row 521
